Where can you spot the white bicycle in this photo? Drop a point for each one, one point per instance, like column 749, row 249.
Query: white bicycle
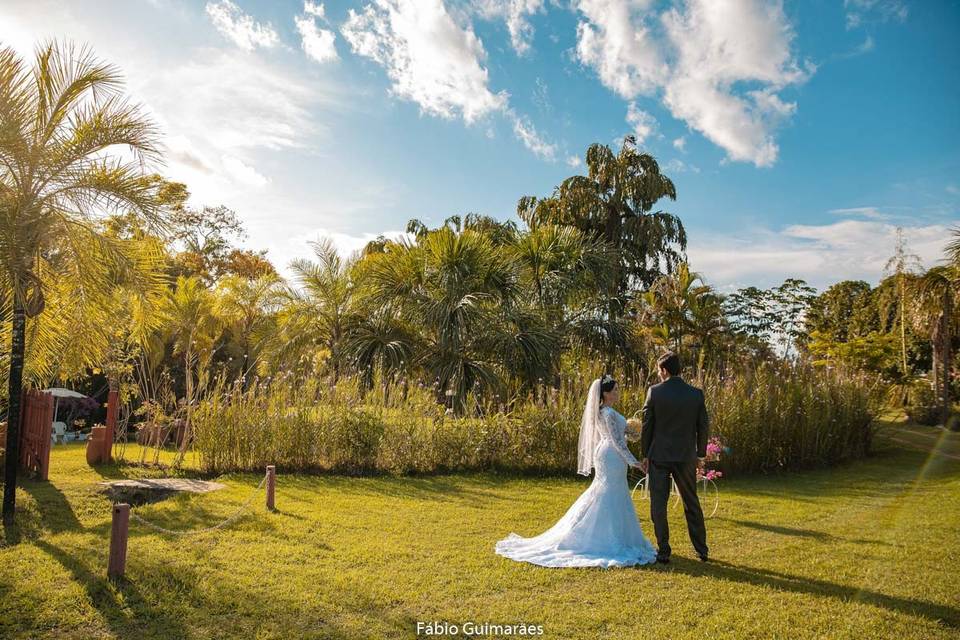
column 707, row 491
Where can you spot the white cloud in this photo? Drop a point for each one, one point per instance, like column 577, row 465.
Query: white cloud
column 541, row 97
column 642, row 123
column 429, row 58
column 574, row 161
column 702, row 53
column 862, row 11
column 819, row 254
column 953, row 190
column 527, row 134
column 314, row 9
column 243, row 173
column 182, row 152
column 239, row 27
column 217, row 104
column 680, row 144
column 435, row 62
column 236, row 101
column 514, row 13
column 866, row 45
column 679, row 166
column 614, row 40
column 298, row 246
column 317, row 43
column 866, row 212
column 718, row 46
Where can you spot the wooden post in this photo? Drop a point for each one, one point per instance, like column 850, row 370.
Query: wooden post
column 118, row 541
column 271, row 487
column 113, row 408
column 96, row 444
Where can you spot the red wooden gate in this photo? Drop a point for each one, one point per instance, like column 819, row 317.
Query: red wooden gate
column 35, row 425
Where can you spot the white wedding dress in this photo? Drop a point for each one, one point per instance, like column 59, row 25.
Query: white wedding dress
column 601, row 528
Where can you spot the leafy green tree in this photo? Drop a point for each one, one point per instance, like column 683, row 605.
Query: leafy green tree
column 875, row 352
column 774, row 315
column 792, row 300
column 206, row 236
column 679, row 311
column 887, row 306
column 953, row 248
column 707, row 326
column 843, row 311
column 751, row 312
column 565, row 272
column 903, row 266
column 614, row 203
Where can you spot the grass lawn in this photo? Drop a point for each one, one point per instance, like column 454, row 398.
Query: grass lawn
column 870, row 550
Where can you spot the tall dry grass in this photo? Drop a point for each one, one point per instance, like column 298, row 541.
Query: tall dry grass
column 776, row 416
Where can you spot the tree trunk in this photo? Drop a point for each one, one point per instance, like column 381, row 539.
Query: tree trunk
column 15, row 393
column 701, row 359
column 903, row 326
column 612, row 226
column 945, row 340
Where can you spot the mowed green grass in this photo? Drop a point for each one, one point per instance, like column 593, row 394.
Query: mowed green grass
column 869, row 550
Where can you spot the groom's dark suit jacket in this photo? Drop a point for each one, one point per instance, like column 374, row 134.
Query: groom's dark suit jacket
column 675, row 424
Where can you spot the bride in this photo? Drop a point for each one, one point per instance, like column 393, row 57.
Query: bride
column 600, row 529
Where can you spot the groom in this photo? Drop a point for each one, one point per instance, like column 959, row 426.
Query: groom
column 673, row 444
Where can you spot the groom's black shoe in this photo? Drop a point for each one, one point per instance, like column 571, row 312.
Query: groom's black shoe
column 663, row 559
column 704, row 559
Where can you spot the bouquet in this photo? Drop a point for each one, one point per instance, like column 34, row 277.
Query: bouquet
column 714, row 448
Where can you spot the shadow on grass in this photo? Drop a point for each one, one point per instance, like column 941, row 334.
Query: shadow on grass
column 820, row 536
column 887, row 471
column 193, row 513
column 56, row 512
column 949, row 616
column 454, row 488
column 160, row 599
column 120, row 603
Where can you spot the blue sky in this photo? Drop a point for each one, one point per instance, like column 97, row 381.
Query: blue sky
column 800, row 135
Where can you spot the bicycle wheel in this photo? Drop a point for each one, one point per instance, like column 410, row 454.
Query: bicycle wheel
column 639, row 490
column 674, row 494
column 709, row 495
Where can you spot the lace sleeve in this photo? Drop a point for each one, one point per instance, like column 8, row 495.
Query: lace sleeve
column 615, row 431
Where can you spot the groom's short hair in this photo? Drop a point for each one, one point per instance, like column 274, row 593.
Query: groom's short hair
column 671, row 362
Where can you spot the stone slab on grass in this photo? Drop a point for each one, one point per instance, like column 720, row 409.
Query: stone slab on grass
column 166, row 484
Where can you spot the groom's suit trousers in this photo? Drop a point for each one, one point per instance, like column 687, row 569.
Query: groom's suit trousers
column 685, row 475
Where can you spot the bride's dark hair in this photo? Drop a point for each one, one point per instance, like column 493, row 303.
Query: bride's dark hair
column 607, row 383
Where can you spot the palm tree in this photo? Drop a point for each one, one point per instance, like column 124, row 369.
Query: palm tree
column 614, row 203
column 707, row 322
column 60, row 124
column 325, row 309
column 454, row 288
column 953, row 248
column 568, row 273
column 558, row 262
column 381, row 342
column 937, row 306
column 249, row 308
column 671, row 301
column 192, row 326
